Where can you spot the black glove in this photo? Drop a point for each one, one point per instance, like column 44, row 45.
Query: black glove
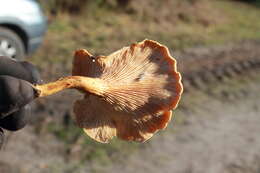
column 14, row 95
column 16, row 92
column 1, row 137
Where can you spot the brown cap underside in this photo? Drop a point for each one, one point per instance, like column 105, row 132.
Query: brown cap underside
column 143, row 86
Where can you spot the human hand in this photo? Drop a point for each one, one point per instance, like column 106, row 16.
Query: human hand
column 16, row 92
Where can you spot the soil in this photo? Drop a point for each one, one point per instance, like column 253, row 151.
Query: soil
column 214, row 130
column 219, row 134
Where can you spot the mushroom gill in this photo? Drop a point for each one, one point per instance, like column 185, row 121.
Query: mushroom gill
column 129, row 94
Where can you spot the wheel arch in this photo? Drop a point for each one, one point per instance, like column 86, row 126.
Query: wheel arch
column 19, row 31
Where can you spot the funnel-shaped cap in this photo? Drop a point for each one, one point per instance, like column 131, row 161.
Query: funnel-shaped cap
column 142, row 87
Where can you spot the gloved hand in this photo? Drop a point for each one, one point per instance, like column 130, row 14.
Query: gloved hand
column 16, row 92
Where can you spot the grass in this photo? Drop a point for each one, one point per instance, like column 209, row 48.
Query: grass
column 90, row 150
column 242, row 23
column 103, row 30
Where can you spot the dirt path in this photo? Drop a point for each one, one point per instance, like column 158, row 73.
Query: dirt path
column 220, row 134
column 214, row 130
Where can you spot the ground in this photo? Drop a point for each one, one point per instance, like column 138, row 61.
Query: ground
column 215, row 129
column 219, row 134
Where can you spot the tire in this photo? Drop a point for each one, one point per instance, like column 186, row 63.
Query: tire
column 11, row 44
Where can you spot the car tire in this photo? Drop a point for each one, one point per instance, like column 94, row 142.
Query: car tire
column 11, row 44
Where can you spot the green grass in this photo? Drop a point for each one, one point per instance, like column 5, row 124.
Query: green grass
column 103, row 30
column 242, row 23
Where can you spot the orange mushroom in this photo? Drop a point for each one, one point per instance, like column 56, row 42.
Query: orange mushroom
column 129, row 94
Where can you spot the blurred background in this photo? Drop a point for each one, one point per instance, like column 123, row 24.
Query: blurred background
column 217, row 44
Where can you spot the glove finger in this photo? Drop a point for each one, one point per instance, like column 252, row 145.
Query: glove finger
column 17, row 120
column 1, row 138
column 14, row 94
column 21, row 70
column 35, row 75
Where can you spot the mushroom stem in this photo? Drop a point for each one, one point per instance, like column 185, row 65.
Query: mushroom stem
column 89, row 85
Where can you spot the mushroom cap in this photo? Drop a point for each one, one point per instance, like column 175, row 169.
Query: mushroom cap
column 143, row 86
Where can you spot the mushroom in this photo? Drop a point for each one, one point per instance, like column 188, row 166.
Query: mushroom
column 129, row 94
